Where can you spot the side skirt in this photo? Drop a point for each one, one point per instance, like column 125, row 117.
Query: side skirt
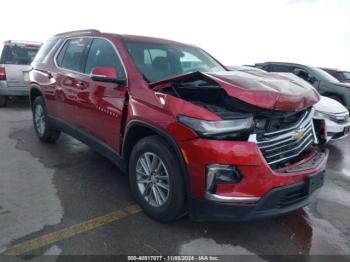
column 89, row 140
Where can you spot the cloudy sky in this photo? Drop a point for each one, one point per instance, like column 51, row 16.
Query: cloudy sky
column 315, row 32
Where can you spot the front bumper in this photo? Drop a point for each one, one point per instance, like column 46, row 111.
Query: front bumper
column 243, row 200
column 336, row 131
column 278, row 201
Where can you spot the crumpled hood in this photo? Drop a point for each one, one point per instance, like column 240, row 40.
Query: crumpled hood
column 264, row 90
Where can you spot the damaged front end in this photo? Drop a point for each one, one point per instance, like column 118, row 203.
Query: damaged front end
column 282, row 127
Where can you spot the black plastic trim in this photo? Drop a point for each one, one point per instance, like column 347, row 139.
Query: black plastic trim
column 267, row 206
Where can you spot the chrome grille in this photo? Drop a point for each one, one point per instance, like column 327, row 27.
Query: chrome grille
column 283, row 145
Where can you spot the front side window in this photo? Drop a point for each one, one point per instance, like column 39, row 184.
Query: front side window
column 158, row 61
column 103, row 54
column 72, row 54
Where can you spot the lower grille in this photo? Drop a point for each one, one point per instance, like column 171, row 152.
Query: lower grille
column 282, row 146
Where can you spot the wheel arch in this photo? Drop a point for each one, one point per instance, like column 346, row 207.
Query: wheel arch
column 138, row 129
column 34, row 92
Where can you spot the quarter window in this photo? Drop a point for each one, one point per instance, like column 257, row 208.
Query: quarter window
column 43, row 54
column 103, row 54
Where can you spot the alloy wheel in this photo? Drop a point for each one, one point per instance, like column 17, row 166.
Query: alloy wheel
column 152, row 179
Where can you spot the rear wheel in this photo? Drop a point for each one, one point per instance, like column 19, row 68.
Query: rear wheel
column 3, row 101
column 156, row 180
column 41, row 124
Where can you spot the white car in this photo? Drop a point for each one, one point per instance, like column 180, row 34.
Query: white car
column 336, row 117
column 334, row 113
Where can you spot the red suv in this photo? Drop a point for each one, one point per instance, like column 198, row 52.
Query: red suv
column 192, row 136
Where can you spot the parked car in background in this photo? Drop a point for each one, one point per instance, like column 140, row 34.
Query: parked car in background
column 336, row 117
column 325, row 84
column 192, row 136
column 244, row 68
column 342, row 76
column 15, row 59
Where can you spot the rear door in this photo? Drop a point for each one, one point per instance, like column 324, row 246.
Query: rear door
column 16, row 59
column 69, row 78
column 100, row 105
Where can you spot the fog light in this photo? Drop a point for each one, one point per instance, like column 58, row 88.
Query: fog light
column 221, row 174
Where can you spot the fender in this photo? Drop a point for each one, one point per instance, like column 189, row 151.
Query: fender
column 162, row 133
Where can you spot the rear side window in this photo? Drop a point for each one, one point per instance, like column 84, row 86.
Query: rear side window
column 72, row 56
column 43, row 54
column 103, row 54
column 279, row 68
column 18, row 54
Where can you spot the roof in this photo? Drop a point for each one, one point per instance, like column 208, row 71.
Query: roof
column 146, row 39
column 131, row 38
column 281, row 63
column 20, row 42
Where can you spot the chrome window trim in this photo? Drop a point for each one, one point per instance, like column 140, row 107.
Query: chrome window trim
column 89, row 37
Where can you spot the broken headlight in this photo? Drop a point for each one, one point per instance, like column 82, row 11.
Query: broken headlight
column 234, row 129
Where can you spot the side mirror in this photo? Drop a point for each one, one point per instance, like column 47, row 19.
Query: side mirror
column 106, row 74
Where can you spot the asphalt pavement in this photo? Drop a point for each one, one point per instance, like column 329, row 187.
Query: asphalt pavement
column 65, row 199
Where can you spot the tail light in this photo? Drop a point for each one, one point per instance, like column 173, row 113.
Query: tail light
column 2, row 73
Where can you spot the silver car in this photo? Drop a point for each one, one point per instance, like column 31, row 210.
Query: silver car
column 15, row 59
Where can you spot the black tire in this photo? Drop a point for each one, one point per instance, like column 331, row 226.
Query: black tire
column 3, row 101
column 173, row 207
column 46, row 134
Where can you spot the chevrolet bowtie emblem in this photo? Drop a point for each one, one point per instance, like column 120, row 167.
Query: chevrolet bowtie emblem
column 298, row 135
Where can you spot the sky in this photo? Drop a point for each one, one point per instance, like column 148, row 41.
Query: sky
column 236, row 32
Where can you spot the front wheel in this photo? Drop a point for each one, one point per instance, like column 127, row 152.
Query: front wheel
column 41, row 124
column 155, row 179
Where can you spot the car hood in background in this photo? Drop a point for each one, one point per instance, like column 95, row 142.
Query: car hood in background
column 261, row 89
column 329, row 105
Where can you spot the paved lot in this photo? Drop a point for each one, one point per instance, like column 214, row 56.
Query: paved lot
column 67, row 199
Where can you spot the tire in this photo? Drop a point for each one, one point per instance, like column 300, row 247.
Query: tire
column 41, row 124
column 3, row 101
column 169, row 205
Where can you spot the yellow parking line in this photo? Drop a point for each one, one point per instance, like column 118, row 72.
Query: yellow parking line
column 71, row 231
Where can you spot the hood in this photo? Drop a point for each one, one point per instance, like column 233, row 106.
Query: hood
column 261, row 89
column 330, row 106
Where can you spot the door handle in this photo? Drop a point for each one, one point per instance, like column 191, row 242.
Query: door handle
column 81, row 85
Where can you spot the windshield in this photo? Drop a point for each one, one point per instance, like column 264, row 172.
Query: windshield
column 159, row 61
column 346, row 75
column 323, row 75
column 19, row 55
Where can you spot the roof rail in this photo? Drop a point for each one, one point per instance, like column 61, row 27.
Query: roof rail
column 21, row 42
column 86, row 31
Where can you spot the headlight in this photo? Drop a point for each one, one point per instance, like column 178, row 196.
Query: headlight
column 222, row 129
column 321, row 115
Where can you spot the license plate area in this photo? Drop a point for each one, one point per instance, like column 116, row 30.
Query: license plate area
column 314, row 182
column 346, row 130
